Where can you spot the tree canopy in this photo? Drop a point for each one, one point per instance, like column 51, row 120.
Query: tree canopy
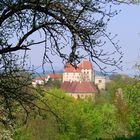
column 77, row 25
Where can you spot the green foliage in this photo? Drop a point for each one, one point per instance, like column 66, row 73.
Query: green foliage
column 132, row 96
column 72, row 119
column 53, row 84
column 119, row 81
column 125, row 95
column 114, row 115
column 21, row 134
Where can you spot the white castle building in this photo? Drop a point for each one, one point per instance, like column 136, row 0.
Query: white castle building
column 83, row 73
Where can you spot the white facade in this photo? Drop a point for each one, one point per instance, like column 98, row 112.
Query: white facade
column 82, row 95
column 87, row 75
column 84, row 75
column 39, row 81
column 70, row 76
column 84, row 72
column 100, row 81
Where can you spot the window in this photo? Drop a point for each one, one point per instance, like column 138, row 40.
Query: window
column 86, row 96
column 82, row 95
column 78, row 96
column 100, row 81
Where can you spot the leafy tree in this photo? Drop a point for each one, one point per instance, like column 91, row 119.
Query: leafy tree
column 78, row 119
column 21, row 134
column 132, row 96
column 53, row 84
column 17, row 95
column 119, row 81
column 14, row 88
column 125, row 96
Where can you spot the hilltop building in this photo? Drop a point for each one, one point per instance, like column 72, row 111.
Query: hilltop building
column 79, row 82
column 55, row 76
column 39, row 81
column 100, row 82
column 83, row 72
column 43, row 80
column 79, row 89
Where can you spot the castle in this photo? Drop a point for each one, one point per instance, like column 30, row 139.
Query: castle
column 77, row 82
column 83, row 72
column 80, row 81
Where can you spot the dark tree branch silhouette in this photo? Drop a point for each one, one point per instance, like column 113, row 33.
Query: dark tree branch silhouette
column 18, row 98
column 75, row 24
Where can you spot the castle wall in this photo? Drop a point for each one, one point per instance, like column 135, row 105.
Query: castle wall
column 100, row 81
column 70, row 76
column 82, row 95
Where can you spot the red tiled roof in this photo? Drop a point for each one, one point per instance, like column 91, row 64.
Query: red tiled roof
column 55, row 75
column 70, row 68
column 86, row 64
column 78, row 87
column 39, row 78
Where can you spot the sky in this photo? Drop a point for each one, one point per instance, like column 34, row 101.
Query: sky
column 127, row 27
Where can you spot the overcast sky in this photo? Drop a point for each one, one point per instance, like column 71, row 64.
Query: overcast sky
column 127, row 25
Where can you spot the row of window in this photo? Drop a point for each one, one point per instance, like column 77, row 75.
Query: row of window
column 74, row 77
column 84, row 96
column 85, row 72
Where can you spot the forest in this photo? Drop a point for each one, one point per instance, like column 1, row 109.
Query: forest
column 113, row 115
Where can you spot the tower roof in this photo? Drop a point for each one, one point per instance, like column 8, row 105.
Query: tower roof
column 85, row 64
column 70, row 68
